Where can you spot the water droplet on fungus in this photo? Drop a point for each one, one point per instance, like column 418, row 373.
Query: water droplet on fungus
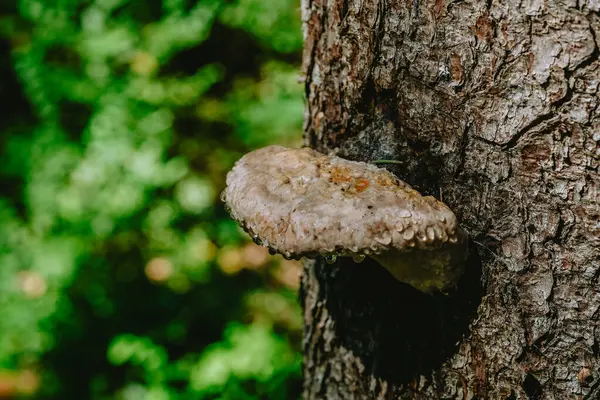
column 430, row 234
column 409, row 233
column 358, row 258
column 385, row 238
column 257, row 240
column 330, row 258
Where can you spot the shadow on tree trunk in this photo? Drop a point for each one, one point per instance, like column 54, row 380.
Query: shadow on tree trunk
column 396, row 331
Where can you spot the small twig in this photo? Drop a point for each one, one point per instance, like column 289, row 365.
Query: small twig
column 386, row 162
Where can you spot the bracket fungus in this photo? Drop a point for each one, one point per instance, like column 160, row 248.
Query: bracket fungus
column 299, row 202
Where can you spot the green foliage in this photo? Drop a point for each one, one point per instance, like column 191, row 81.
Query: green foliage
column 118, row 263
column 275, row 23
column 247, row 352
column 268, row 109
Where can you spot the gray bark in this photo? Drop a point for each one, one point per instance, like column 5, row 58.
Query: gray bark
column 494, row 106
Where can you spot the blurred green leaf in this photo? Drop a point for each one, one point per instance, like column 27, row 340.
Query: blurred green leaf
column 246, row 352
column 270, row 109
column 276, row 23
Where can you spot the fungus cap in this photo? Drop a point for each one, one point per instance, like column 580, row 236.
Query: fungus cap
column 299, row 202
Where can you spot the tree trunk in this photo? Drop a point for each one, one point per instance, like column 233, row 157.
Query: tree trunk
column 492, row 105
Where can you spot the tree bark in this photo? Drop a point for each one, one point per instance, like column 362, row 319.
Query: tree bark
column 492, row 105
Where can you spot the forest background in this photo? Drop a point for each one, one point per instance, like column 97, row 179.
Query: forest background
column 121, row 274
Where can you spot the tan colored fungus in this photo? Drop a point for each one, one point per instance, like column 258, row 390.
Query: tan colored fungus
column 299, row 202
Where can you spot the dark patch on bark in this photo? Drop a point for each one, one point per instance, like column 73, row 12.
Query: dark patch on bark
column 532, row 387
column 397, row 332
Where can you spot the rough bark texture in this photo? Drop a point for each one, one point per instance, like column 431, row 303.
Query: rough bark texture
column 494, row 105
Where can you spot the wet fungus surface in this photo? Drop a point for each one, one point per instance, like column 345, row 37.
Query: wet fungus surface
column 301, row 203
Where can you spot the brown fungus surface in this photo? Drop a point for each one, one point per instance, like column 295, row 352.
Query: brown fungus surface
column 299, row 202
